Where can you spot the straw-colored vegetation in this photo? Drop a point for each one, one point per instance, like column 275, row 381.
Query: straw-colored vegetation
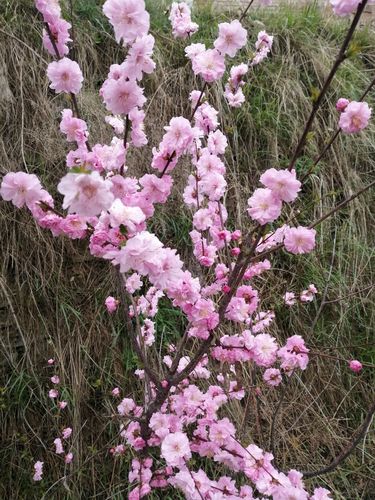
column 52, row 291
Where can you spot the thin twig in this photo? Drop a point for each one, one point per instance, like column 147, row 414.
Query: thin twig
column 356, row 438
column 316, row 105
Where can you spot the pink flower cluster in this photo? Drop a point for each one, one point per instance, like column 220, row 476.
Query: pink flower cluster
column 180, row 18
column 345, row 7
column 354, row 115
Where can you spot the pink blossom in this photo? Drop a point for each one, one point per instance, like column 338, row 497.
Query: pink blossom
column 156, row 189
column 122, row 96
column 121, row 215
column 344, row 7
column 21, row 188
column 180, row 17
column 55, row 379
column 180, row 135
column 133, row 283
column 290, row 298
column 355, row 365
column 38, row 471
column 115, row 392
column 68, row 458
column 59, row 29
column 342, row 104
column 53, row 393
column 62, row 405
column 283, row 184
column 85, row 194
column 117, row 123
column 217, row 143
column 67, row 432
column 175, row 449
column 209, row 64
column 272, row 376
column 139, row 56
column 232, row 37
column 129, row 18
column 65, row 75
column 74, row 128
column 51, row 361
column 126, row 406
column 321, row 494
column 59, row 447
column 264, row 206
column 265, row 349
column 299, row 240
column 111, row 304
column 355, row 117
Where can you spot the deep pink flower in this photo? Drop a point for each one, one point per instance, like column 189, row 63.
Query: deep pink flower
column 355, row 365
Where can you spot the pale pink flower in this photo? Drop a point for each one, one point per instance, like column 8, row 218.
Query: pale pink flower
column 75, row 129
column 111, row 304
column 344, row 7
column 115, row 392
column 122, row 96
column 290, row 298
column 129, row 18
column 175, row 449
column 117, row 123
column 130, row 217
column 133, row 283
column 232, row 37
column 299, row 240
column 139, row 56
column 355, row 117
column 55, row 379
column 68, row 458
column 321, row 494
column 355, row 365
column 51, row 361
column 191, row 52
column 265, row 349
column 209, row 64
column 85, row 194
column 180, row 17
column 65, row 75
column 59, row 447
column 21, row 188
column 283, row 184
column 272, row 376
column 59, row 29
column 67, row 432
column 53, row 393
column 264, row 206
column 62, row 405
column 342, row 104
column 140, row 253
column 38, row 471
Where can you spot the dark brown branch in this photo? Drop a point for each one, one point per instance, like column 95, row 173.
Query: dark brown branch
column 244, row 13
column 316, row 105
column 357, row 437
column 334, row 137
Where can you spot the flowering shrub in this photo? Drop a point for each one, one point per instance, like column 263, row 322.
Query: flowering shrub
column 180, row 417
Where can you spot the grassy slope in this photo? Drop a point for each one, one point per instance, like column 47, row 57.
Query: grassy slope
column 52, row 291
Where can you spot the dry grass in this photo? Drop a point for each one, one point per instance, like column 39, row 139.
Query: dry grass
column 52, row 291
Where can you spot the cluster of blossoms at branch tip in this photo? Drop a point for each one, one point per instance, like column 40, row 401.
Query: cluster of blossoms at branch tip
column 346, row 7
column 354, row 116
column 180, row 18
column 109, row 208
